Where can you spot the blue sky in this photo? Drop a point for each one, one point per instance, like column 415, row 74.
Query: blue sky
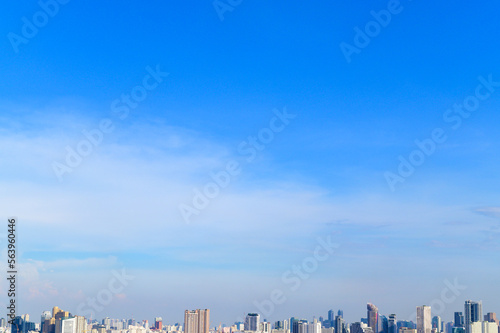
column 322, row 175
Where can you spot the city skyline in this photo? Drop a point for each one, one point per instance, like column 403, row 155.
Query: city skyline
column 422, row 319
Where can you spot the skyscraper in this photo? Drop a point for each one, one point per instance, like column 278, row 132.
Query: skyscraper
column 158, row 323
column 489, row 327
column 197, row 321
column 424, row 319
column 489, row 317
column 17, row 325
column 68, row 325
column 449, row 327
column 46, row 315
column 340, row 325
column 372, row 315
column 314, row 327
column 107, row 322
column 299, row 326
column 252, row 322
column 383, row 324
column 436, row 323
column 331, row 318
column 473, row 313
column 459, row 319
column 392, row 324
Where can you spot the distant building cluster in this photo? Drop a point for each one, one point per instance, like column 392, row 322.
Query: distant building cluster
column 471, row 320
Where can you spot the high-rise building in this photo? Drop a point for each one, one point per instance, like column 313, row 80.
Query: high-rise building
column 340, row 325
column 17, row 325
column 392, row 324
column 68, row 325
column 436, row 323
column 252, row 322
column 372, row 315
column 107, row 322
column 197, row 321
column 489, row 327
column 331, row 319
column 300, row 326
column 28, row 326
column 53, row 323
column 476, row 327
column 473, row 313
column 407, row 324
column 265, row 327
column 314, row 327
column 340, row 313
column 491, row 317
column 81, row 324
column 459, row 319
column 383, row 324
column 424, row 319
column 449, row 327
column 158, row 323
column 46, row 315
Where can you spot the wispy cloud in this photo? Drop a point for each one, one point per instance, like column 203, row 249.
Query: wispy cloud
column 491, row 211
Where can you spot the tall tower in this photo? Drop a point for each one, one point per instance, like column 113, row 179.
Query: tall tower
column 489, row 317
column 393, row 324
column 437, row 323
column 331, row 318
column 158, row 323
column 459, row 319
column 252, row 322
column 424, row 319
column 372, row 315
column 340, row 325
column 197, row 321
column 473, row 313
